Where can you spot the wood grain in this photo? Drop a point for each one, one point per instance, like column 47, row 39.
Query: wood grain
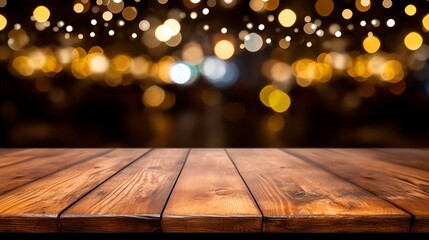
column 9, row 160
column 16, row 175
column 210, row 196
column 418, row 158
column 35, row 152
column 407, row 187
column 35, row 207
column 132, row 200
column 295, row 196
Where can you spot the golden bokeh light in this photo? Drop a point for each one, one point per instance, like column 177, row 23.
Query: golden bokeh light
column 224, row 49
column 410, row 10
column 413, row 41
column 153, row 96
column 23, row 65
column 425, row 22
column 257, row 5
column 265, row 93
column 347, row 14
column 78, row 7
column 271, row 5
column 192, row 53
column 287, row 18
column 279, row 101
column 363, row 5
column 371, row 44
column 41, row 14
column 324, row 7
column 121, row 63
column 115, row 7
column 129, row 13
column 3, row 22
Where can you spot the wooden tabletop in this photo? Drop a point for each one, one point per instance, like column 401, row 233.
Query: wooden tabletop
column 214, row 190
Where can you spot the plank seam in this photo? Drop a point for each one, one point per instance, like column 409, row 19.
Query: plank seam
column 314, row 163
column 172, row 188
column 51, row 173
column 105, row 180
column 248, row 189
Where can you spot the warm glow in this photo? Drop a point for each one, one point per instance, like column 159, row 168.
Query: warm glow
column 98, row 63
column 78, row 7
column 371, row 44
column 129, row 13
column 265, row 93
column 425, row 22
column 363, row 5
column 41, row 14
column 279, row 101
column 410, row 10
column 324, row 7
column 3, row 22
column 153, row 96
column 163, row 33
column 413, row 41
column 224, row 49
column 347, row 13
column 287, row 17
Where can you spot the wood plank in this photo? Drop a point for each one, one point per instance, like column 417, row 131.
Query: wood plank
column 210, row 196
column 132, row 200
column 16, row 175
column 36, row 206
column 404, row 186
column 418, row 158
column 295, row 196
column 34, row 152
column 9, row 160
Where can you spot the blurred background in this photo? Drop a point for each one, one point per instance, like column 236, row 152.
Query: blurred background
column 214, row 73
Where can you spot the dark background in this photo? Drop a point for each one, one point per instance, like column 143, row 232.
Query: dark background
column 92, row 114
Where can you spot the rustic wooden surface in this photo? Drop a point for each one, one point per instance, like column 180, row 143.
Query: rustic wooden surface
column 214, row 190
column 23, row 172
column 210, row 196
column 35, row 207
column 132, row 200
column 295, row 196
column 406, row 187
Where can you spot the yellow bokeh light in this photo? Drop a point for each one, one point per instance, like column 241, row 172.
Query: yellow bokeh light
column 371, row 44
column 265, row 93
column 41, row 14
column 324, row 7
column 153, row 96
column 279, row 101
column 3, row 22
column 413, row 41
column 224, row 49
column 287, row 18
column 425, row 22
column 410, row 10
